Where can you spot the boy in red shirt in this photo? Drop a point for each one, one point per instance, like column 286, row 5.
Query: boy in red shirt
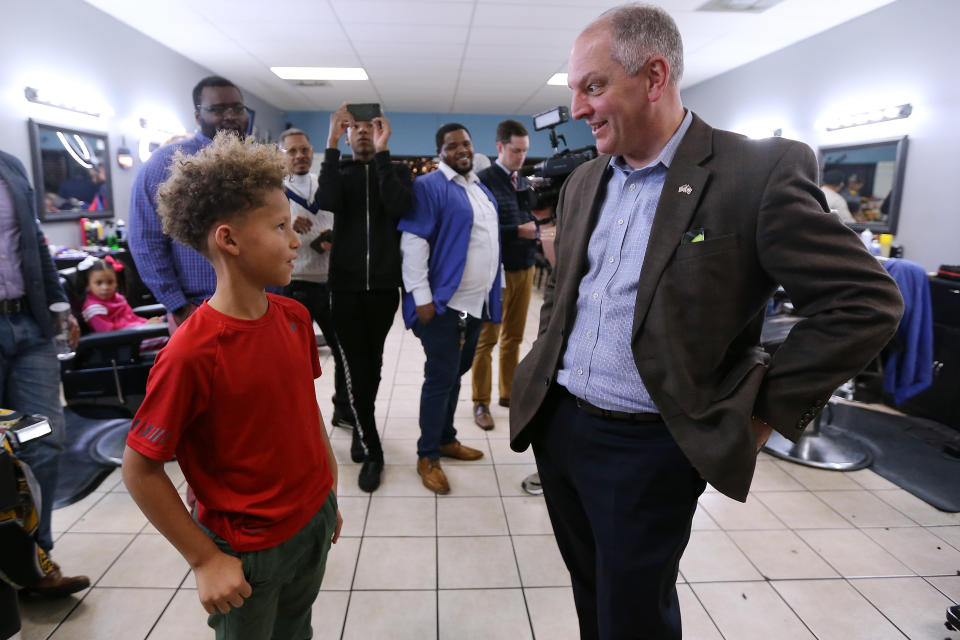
column 232, row 395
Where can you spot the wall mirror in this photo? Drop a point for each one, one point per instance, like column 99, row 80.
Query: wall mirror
column 873, row 180
column 71, row 172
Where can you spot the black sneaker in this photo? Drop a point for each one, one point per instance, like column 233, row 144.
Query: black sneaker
column 357, row 454
column 370, row 474
column 342, row 420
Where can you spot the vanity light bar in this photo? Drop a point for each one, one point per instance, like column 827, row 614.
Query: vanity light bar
column 35, row 95
column 871, row 117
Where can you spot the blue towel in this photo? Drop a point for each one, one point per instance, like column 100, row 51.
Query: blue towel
column 909, row 369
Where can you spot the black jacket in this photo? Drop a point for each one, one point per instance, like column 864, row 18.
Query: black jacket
column 513, row 208
column 367, row 200
column 40, row 280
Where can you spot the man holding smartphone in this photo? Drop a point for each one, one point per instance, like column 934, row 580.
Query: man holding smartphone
column 367, row 195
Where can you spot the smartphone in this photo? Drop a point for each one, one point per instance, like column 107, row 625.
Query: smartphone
column 364, row 112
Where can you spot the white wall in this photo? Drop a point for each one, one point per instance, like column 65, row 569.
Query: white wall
column 904, row 52
column 68, row 43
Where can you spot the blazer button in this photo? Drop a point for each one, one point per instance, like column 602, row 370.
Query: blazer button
column 546, row 381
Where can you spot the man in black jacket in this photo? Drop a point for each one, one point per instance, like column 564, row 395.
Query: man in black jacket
column 367, row 196
column 518, row 238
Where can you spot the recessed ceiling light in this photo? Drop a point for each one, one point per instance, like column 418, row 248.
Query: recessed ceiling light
column 320, row 73
column 744, row 6
column 558, row 80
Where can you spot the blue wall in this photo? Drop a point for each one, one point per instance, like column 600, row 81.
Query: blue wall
column 414, row 133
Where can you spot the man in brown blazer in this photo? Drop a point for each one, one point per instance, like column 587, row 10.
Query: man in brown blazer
column 668, row 247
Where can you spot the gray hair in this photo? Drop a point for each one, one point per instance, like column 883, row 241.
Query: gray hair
column 640, row 31
column 291, row 132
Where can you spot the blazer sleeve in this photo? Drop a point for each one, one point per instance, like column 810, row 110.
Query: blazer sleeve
column 851, row 306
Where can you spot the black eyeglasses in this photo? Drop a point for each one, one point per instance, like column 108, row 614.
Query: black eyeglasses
column 221, row 110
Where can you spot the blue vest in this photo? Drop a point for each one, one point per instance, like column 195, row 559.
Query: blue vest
column 442, row 215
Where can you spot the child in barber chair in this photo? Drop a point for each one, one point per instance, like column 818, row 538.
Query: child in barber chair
column 105, row 309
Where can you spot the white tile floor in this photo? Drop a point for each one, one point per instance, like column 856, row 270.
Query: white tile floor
column 812, row 554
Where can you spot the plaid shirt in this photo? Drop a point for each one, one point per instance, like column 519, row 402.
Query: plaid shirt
column 174, row 273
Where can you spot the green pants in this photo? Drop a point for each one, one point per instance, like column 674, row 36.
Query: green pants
column 285, row 579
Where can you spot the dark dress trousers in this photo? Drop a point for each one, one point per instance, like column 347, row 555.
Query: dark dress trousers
column 695, row 342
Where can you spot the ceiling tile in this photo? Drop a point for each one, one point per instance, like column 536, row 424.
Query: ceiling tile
column 416, row 13
column 437, row 55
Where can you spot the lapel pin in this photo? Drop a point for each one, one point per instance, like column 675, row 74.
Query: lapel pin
column 685, row 189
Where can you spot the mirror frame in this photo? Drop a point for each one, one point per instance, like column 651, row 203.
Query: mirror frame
column 38, row 184
column 899, row 169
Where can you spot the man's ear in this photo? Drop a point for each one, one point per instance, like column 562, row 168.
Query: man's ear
column 499, row 148
column 658, row 77
column 225, row 239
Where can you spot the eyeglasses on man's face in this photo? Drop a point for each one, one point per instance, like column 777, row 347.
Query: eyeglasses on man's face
column 220, row 110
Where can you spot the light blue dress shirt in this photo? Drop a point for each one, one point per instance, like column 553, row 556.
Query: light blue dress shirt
column 598, row 362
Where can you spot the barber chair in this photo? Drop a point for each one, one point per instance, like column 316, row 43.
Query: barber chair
column 821, row 445
column 109, row 367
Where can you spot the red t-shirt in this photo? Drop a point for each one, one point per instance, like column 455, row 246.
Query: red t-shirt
column 234, row 400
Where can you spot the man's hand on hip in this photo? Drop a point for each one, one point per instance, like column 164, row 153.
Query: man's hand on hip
column 762, row 431
column 425, row 312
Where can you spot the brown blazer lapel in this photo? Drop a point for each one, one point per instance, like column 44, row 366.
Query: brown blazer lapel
column 580, row 215
column 674, row 212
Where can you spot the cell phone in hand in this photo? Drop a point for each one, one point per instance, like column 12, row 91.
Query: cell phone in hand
column 365, row 112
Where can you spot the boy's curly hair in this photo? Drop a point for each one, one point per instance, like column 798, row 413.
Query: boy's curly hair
column 221, row 182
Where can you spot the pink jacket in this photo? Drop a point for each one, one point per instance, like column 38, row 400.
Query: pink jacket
column 109, row 315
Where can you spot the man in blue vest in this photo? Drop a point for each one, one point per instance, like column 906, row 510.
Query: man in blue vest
column 451, row 277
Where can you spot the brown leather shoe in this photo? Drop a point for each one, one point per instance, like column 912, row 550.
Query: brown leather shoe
column 433, row 476
column 57, row 585
column 481, row 415
column 460, row 452
column 504, row 402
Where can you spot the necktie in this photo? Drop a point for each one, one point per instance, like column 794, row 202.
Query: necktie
column 513, row 180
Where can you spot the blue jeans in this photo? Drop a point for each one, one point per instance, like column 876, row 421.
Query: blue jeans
column 30, row 382
column 449, row 344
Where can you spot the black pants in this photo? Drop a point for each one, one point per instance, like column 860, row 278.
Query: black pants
column 315, row 296
column 362, row 320
column 621, row 497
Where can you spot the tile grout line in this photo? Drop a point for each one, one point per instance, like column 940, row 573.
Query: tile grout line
column 356, row 564
column 94, row 584
column 506, row 520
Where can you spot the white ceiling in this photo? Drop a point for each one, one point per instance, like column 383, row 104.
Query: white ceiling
column 460, row 56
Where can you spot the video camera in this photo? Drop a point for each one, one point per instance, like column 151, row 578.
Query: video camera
column 556, row 168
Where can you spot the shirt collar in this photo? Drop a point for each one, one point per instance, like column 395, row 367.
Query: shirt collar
column 450, row 174
column 505, row 170
column 666, row 154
